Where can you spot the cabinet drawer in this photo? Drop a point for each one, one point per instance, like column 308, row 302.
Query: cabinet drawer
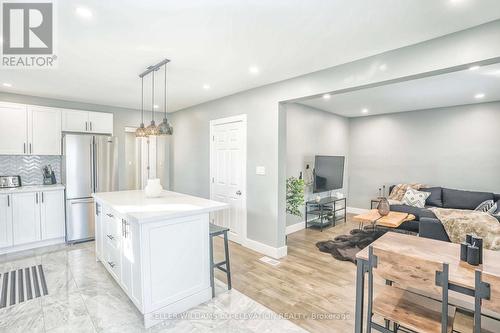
column 112, row 261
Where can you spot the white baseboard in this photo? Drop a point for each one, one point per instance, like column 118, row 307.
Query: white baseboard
column 295, row 227
column 30, row 246
column 354, row 210
column 273, row 252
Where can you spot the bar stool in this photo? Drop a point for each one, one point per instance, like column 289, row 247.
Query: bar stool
column 216, row 230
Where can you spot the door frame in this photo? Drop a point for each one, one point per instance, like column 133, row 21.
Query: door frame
column 243, row 119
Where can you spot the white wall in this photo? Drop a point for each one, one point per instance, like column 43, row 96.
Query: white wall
column 456, row 147
column 311, row 132
column 267, row 124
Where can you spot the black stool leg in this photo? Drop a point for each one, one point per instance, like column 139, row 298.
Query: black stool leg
column 228, row 267
column 212, row 284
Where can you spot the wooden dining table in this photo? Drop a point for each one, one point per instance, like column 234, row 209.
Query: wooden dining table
column 461, row 274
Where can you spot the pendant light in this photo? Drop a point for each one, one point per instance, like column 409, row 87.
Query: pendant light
column 141, row 131
column 165, row 128
column 152, row 129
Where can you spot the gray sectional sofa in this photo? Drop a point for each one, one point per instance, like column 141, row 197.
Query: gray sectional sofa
column 426, row 223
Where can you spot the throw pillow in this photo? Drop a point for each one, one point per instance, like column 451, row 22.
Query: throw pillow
column 488, row 206
column 399, row 191
column 415, row 198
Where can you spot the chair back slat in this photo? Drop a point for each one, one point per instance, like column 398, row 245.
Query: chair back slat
column 408, row 271
column 493, row 303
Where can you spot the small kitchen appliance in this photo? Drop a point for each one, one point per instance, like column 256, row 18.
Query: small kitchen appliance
column 10, row 181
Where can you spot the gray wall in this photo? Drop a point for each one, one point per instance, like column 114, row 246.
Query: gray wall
column 122, row 118
column 455, row 147
column 311, row 132
column 267, row 123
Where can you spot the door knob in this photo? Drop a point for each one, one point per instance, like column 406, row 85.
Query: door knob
column 238, row 192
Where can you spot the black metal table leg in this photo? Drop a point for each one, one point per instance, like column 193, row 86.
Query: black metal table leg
column 360, row 295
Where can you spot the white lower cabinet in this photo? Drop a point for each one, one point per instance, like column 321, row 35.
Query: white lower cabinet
column 5, row 220
column 28, row 219
column 52, row 214
column 117, row 247
column 25, row 218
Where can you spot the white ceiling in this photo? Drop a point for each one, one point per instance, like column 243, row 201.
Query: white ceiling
column 457, row 88
column 215, row 42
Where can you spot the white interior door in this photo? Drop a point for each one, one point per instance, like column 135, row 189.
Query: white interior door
column 228, row 174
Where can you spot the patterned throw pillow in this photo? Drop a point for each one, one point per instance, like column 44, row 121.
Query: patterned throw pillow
column 415, row 198
column 488, row 206
column 399, row 191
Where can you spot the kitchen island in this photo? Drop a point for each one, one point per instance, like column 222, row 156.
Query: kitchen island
column 157, row 249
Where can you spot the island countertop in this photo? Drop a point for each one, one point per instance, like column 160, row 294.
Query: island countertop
column 138, row 208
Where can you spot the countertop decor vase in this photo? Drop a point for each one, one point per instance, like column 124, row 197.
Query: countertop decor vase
column 383, row 207
column 153, row 189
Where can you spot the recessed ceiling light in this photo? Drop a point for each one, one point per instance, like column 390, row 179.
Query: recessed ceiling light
column 364, row 111
column 8, row 85
column 473, row 68
column 206, row 86
column 253, row 70
column 84, row 12
column 382, row 67
column 155, row 106
column 479, row 96
column 326, row 96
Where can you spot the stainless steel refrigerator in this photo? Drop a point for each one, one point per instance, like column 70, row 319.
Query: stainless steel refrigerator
column 89, row 165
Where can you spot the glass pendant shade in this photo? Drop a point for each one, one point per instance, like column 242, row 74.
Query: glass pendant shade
column 152, row 129
column 140, row 132
column 165, row 128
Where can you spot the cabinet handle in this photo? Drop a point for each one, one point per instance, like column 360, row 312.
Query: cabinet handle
column 31, row 150
column 86, row 126
column 90, row 126
column 36, row 196
column 24, row 148
column 110, row 237
column 8, row 200
column 112, row 264
column 42, row 197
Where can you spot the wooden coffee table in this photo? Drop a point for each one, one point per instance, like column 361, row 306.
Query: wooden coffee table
column 392, row 221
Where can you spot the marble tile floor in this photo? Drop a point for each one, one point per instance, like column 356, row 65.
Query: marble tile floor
column 83, row 297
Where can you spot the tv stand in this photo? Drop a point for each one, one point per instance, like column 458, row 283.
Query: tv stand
column 327, row 211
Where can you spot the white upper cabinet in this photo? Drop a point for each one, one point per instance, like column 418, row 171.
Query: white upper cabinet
column 13, row 129
column 87, row 122
column 44, row 128
column 75, row 121
column 100, row 122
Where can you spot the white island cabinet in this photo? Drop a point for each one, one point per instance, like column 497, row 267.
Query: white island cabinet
column 157, row 249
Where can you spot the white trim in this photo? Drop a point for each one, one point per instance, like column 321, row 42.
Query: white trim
column 228, row 120
column 354, row 210
column 30, row 246
column 273, row 252
column 295, row 227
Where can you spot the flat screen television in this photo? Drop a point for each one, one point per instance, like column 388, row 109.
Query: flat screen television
column 328, row 173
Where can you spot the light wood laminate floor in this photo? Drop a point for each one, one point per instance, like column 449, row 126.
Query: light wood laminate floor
column 306, row 286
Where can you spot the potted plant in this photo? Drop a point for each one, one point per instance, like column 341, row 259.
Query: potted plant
column 294, row 196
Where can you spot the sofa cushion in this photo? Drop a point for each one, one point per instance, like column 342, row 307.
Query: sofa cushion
column 459, row 199
column 415, row 198
column 410, row 226
column 418, row 212
column 436, row 197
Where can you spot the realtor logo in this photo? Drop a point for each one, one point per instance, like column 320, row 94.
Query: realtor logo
column 27, row 29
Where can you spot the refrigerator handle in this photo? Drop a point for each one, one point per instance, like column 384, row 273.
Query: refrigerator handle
column 96, row 156
column 92, row 184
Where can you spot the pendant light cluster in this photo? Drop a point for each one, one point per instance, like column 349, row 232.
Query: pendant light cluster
column 164, row 128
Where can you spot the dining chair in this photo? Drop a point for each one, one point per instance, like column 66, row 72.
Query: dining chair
column 405, row 309
column 486, row 295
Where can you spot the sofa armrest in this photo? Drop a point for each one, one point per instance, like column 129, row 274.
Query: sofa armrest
column 433, row 229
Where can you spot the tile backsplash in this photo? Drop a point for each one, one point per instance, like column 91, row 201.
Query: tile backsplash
column 29, row 167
